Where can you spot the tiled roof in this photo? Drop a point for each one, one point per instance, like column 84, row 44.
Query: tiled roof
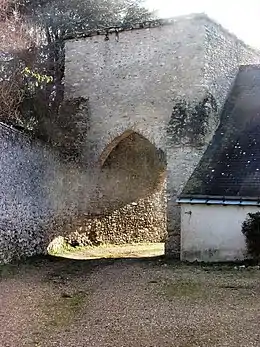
column 230, row 166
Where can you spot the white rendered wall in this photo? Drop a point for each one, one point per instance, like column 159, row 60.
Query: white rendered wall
column 213, row 232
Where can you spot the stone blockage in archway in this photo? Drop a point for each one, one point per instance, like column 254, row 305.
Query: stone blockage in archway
column 131, row 194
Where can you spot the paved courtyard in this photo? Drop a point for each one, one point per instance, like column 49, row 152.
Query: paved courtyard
column 49, row 302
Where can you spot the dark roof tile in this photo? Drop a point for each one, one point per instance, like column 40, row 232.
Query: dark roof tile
column 230, row 166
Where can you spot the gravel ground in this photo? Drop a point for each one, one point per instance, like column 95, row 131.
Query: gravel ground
column 133, row 302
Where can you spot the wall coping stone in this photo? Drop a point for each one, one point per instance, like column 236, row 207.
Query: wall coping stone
column 155, row 23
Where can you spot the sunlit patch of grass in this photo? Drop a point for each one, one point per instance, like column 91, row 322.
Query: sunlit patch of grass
column 109, row 251
column 59, row 245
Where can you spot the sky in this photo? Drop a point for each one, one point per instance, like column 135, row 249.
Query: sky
column 241, row 17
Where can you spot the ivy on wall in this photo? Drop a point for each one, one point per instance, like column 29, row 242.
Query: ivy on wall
column 189, row 122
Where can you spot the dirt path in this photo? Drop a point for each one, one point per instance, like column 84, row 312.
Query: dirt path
column 147, row 303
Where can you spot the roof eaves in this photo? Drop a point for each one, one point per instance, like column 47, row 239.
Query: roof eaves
column 220, row 201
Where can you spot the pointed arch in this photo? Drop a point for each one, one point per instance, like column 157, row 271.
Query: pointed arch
column 132, row 168
column 109, row 148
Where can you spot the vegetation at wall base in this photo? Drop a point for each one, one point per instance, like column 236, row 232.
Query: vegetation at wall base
column 251, row 231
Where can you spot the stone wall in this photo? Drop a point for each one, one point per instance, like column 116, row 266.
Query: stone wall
column 38, row 190
column 141, row 221
column 134, row 81
column 44, row 195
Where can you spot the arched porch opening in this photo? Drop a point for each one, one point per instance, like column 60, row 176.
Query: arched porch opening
column 130, row 202
column 132, row 168
column 131, row 191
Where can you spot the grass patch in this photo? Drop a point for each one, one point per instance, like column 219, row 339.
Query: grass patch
column 108, row 251
column 183, row 289
column 21, row 267
column 8, row 271
column 60, row 246
column 57, row 313
column 61, row 311
column 218, row 289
